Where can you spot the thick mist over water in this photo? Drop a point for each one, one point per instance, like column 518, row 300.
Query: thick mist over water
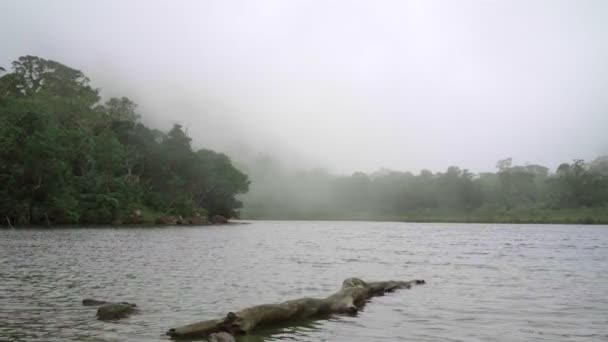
column 134, row 134
column 344, row 85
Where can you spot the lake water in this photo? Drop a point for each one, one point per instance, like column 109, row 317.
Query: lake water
column 484, row 282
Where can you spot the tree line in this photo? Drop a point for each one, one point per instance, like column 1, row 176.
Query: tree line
column 574, row 192
column 67, row 157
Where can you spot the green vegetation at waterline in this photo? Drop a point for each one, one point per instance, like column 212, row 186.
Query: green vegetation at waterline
column 66, row 157
column 576, row 192
column 528, row 216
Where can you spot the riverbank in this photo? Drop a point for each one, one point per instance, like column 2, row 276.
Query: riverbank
column 521, row 216
column 517, row 216
column 135, row 218
column 111, row 226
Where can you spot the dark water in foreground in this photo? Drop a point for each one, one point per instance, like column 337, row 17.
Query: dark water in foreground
column 485, row 282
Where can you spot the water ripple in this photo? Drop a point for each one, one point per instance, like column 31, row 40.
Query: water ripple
column 485, row 282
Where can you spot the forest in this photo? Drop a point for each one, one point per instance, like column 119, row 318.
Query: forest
column 67, row 157
column 577, row 192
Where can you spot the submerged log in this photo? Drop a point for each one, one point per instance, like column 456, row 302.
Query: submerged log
column 348, row 300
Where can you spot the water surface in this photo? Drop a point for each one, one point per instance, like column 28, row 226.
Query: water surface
column 484, row 282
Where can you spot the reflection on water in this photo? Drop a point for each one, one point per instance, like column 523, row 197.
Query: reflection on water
column 485, row 282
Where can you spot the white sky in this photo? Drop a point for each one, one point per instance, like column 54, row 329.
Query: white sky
column 348, row 85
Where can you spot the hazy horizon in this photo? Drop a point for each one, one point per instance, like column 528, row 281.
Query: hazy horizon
column 345, row 85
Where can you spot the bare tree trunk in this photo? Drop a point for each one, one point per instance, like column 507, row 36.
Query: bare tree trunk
column 48, row 221
column 348, row 300
column 8, row 220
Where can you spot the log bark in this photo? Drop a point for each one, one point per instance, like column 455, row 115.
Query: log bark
column 348, row 300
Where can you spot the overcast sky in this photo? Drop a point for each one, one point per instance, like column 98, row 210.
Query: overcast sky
column 348, row 85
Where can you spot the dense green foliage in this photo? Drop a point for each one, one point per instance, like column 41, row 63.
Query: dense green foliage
column 65, row 157
column 68, row 157
column 576, row 192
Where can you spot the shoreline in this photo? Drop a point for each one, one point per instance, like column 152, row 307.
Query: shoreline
column 130, row 225
column 590, row 215
column 522, row 222
column 244, row 221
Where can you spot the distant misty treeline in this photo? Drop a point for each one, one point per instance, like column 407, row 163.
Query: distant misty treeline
column 68, row 157
column 575, row 192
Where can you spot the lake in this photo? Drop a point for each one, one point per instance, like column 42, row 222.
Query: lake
column 485, row 282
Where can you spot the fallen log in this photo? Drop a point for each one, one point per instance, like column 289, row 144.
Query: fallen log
column 348, row 300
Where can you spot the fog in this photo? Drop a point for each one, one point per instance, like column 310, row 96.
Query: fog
column 344, row 85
